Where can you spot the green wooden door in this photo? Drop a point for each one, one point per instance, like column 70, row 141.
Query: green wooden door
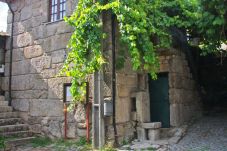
column 159, row 100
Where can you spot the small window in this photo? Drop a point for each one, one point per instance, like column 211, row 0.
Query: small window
column 57, row 9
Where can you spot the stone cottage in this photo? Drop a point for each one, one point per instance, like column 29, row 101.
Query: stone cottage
column 38, row 52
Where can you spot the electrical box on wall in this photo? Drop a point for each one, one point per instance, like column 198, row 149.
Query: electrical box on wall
column 108, row 107
column 2, row 69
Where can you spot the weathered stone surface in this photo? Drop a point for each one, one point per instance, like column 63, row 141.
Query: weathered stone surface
column 123, row 91
column 153, row 134
column 55, row 87
column 30, row 94
column 26, row 13
column 36, row 21
column 21, row 67
column 71, row 130
column 58, row 56
column 24, row 40
column 36, row 128
column 53, row 129
column 151, row 125
column 142, row 104
column 80, row 114
column 59, row 42
column 18, row 28
column 40, row 63
column 18, row 54
column 123, row 105
column 20, row 105
column 81, row 132
column 37, row 32
column 33, row 51
column 129, row 80
column 28, row 82
column 63, row 27
column 51, row 29
column 45, row 107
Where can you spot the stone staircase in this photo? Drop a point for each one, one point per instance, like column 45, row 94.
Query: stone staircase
column 12, row 127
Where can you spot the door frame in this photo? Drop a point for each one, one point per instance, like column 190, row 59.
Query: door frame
column 149, row 84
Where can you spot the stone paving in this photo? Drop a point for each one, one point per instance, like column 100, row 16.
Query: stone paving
column 207, row 134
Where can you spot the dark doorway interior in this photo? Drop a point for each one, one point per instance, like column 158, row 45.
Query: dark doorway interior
column 213, row 80
column 159, row 100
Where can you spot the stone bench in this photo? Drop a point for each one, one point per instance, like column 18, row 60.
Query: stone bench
column 150, row 131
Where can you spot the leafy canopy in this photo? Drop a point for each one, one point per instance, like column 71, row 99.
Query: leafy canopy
column 144, row 27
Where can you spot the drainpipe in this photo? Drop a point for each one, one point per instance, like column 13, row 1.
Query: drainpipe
column 11, row 56
column 114, row 79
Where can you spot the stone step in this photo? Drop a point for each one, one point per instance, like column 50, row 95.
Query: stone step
column 3, row 103
column 14, row 128
column 6, row 109
column 11, row 121
column 19, row 141
column 18, row 134
column 2, row 98
column 9, row 115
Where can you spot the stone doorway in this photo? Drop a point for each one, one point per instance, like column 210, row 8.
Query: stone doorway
column 159, row 100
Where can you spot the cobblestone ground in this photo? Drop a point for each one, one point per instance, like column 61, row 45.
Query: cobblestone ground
column 207, row 134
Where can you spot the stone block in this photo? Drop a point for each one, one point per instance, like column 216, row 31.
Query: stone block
column 153, row 134
column 71, row 130
column 37, row 32
column 80, row 114
column 30, row 94
column 175, row 114
column 48, row 73
column 18, row 28
column 151, row 125
column 26, row 13
column 5, row 83
column 142, row 105
column 123, row 91
column 6, row 72
column 123, row 105
column 40, row 63
column 81, row 132
column 45, row 107
column 164, row 67
column 141, row 134
column 24, row 40
column 55, row 87
column 51, row 29
column 58, row 56
column 18, row 54
column 124, row 79
column 63, row 27
column 33, row 51
column 34, row 120
column 20, row 105
column 21, row 67
column 54, row 129
column 37, row 20
column 28, row 82
column 36, row 128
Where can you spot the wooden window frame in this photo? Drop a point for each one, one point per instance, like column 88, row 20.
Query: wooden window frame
column 60, row 13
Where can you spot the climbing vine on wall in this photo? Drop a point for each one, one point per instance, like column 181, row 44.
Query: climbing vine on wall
column 144, row 28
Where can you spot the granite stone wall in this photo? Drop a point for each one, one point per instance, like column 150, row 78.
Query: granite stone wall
column 184, row 96
column 39, row 50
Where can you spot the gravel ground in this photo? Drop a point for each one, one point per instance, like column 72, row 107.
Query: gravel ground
column 207, row 134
